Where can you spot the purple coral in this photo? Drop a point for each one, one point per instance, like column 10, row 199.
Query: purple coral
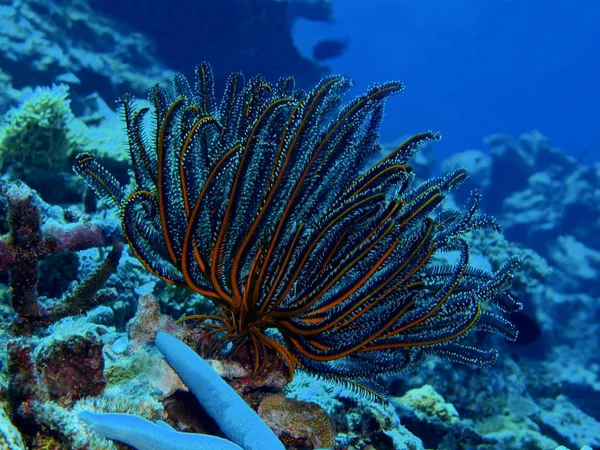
column 35, row 233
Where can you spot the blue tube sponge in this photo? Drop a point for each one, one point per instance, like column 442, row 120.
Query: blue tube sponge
column 145, row 435
column 239, row 422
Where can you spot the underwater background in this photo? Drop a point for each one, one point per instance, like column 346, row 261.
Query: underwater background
column 510, row 85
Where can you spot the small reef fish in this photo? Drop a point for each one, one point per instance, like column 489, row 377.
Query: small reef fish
column 330, row 48
column 529, row 329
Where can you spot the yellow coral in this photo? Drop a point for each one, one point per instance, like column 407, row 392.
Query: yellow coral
column 297, row 423
column 427, row 401
column 42, row 131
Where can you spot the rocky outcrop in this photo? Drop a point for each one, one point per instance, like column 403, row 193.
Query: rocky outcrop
column 232, row 35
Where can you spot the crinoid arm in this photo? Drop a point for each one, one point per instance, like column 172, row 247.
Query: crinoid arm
column 267, row 202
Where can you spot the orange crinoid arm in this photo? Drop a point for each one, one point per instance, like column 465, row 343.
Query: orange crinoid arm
column 269, row 203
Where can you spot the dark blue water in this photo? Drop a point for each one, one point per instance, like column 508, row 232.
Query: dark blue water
column 476, row 67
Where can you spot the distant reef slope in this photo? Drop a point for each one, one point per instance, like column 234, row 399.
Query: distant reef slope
column 62, row 41
column 116, row 46
column 252, row 36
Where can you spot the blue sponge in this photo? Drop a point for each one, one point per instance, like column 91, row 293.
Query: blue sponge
column 239, row 422
column 145, row 435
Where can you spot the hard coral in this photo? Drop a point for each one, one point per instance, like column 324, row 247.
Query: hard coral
column 46, row 42
column 428, row 402
column 142, row 329
column 37, row 231
column 46, row 377
column 71, row 368
column 61, row 369
column 300, row 425
column 42, row 132
column 10, row 438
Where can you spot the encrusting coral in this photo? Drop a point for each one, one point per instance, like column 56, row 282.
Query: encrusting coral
column 298, row 424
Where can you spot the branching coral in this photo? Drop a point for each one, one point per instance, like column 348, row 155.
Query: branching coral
column 41, row 132
column 33, row 236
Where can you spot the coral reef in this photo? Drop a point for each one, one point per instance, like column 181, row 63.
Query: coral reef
column 549, row 204
column 426, row 402
column 47, row 376
column 47, row 42
column 37, row 231
column 537, row 403
column 510, row 407
column 40, row 133
column 547, row 399
column 541, row 203
column 69, row 343
column 298, row 424
column 40, row 136
column 10, row 437
column 359, row 422
column 237, row 420
column 59, row 369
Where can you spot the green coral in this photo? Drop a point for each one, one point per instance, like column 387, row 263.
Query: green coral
column 42, row 132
